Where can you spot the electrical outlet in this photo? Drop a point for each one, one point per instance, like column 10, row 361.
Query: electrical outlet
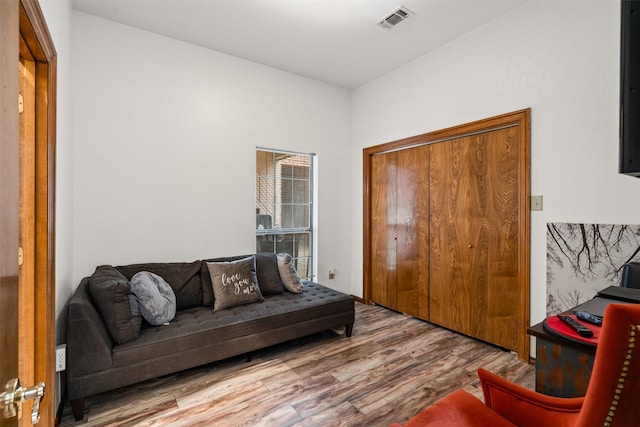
column 61, row 357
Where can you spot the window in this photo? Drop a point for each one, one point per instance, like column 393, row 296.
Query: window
column 284, row 206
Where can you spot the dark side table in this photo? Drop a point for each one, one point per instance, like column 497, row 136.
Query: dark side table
column 563, row 367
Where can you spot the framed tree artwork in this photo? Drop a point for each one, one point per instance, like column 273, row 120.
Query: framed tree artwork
column 583, row 259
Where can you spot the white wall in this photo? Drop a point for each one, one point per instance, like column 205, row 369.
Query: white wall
column 559, row 58
column 165, row 135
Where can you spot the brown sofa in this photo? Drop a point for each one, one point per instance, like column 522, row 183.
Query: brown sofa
column 197, row 335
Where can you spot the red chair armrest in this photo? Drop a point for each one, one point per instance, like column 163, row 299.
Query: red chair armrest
column 525, row 407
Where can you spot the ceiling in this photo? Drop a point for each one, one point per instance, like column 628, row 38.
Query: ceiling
column 334, row 41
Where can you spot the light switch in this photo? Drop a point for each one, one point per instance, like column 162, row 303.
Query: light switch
column 536, row 203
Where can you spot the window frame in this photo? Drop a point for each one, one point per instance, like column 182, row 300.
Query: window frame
column 277, row 231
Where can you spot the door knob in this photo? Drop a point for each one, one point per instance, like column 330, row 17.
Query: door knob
column 14, row 396
column 470, row 246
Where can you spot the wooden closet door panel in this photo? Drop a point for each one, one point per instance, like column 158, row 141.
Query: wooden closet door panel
column 383, row 229
column 449, row 292
column 412, row 196
column 474, row 285
column 501, row 313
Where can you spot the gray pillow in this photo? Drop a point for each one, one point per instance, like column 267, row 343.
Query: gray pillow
column 288, row 273
column 111, row 293
column 266, row 272
column 155, row 297
column 234, row 283
column 183, row 277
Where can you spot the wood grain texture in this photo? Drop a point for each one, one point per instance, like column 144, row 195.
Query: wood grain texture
column 412, row 228
column 399, row 230
column 39, row 43
column 389, row 370
column 510, row 330
column 474, row 237
column 383, row 229
column 24, row 18
column 27, row 282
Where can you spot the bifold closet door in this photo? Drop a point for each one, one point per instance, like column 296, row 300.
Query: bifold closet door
column 474, row 236
column 383, row 230
column 399, row 230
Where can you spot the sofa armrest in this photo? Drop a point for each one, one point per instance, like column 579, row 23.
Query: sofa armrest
column 525, row 407
column 89, row 343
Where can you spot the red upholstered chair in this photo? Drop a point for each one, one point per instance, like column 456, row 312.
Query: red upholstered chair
column 612, row 398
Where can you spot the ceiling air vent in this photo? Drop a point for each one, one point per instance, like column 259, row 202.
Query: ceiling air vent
column 394, row 18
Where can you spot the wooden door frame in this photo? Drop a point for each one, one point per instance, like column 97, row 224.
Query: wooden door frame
column 34, row 31
column 522, row 119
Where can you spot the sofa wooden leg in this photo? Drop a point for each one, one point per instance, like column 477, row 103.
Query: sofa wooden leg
column 349, row 330
column 77, row 407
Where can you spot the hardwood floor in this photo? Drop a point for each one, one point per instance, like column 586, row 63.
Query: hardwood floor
column 389, row 370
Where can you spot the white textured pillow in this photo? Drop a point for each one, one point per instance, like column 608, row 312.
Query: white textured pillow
column 288, row 273
column 155, row 297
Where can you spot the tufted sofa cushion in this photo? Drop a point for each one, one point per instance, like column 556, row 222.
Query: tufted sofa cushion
column 192, row 328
